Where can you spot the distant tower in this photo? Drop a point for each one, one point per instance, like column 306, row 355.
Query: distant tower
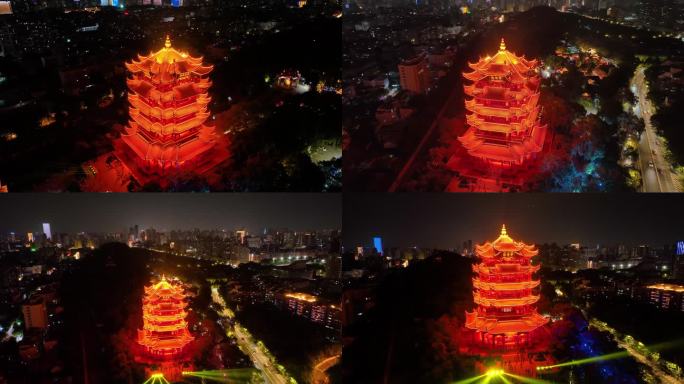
column 503, row 290
column 503, row 123
column 165, row 332
column 47, row 231
column 168, row 108
column 377, row 244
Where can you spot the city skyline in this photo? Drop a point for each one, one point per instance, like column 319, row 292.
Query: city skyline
column 69, row 213
column 439, row 221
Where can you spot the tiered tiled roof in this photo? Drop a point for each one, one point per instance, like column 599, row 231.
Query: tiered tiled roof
column 503, row 291
column 503, row 123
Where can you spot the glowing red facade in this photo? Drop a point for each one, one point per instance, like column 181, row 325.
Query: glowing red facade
column 168, row 109
column 503, row 290
column 503, row 123
column 165, row 332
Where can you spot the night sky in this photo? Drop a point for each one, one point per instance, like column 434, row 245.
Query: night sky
column 447, row 220
column 164, row 211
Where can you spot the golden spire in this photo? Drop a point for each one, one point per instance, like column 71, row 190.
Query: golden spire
column 502, row 46
column 167, row 44
column 503, row 230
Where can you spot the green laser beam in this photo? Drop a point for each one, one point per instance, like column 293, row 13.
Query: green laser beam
column 665, row 345
column 527, row 380
column 156, row 378
column 223, row 379
column 469, row 380
column 505, row 380
column 224, row 375
column 240, row 372
column 616, row 355
column 588, row 360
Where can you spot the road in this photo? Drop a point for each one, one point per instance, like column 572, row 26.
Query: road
column 261, row 361
column 656, row 370
column 663, row 377
column 655, row 169
column 319, row 375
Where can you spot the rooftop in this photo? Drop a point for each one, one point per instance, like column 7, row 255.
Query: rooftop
column 302, row 296
column 667, row 287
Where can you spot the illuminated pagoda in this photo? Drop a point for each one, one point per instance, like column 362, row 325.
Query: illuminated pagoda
column 165, row 333
column 503, row 119
column 168, row 96
column 503, row 289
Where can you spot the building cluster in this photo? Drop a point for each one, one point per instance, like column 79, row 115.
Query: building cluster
column 665, row 261
column 86, row 47
column 309, row 307
column 314, row 298
column 666, row 296
column 19, row 6
column 31, row 313
column 414, row 74
column 277, row 246
column 665, row 15
column 641, row 284
column 656, row 15
column 390, row 57
column 60, row 243
column 666, row 81
column 302, row 277
column 645, row 273
column 573, row 257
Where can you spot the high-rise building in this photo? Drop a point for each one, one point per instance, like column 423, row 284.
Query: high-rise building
column 503, row 290
column 503, row 123
column 414, row 75
column 333, row 267
column 310, row 307
column 35, row 314
column 240, row 234
column 667, row 296
column 47, row 231
column 165, row 333
column 168, row 108
column 377, row 244
column 5, row 8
